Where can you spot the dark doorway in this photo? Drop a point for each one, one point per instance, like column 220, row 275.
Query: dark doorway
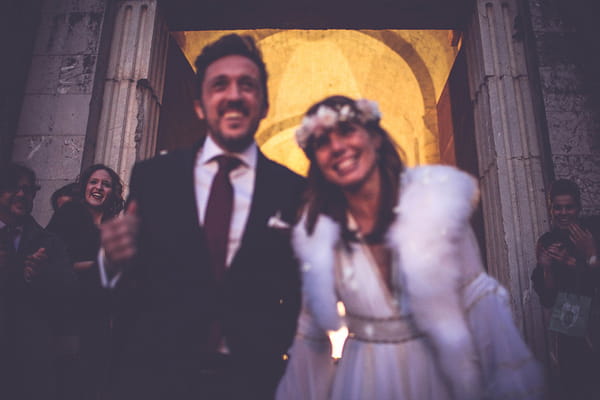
column 457, row 133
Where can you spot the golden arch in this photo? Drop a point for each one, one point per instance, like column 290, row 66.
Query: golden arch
column 389, row 66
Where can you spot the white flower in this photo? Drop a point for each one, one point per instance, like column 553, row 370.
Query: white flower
column 346, row 113
column 369, row 110
column 306, row 129
column 326, row 117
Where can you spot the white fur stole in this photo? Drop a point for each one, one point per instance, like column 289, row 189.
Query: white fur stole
column 433, row 214
column 317, row 255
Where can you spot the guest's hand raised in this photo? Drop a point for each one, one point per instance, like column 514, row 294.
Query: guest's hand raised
column 583, row 241
column 543, row 257
column 34, row 263
column 559, row 253
column 119, row 239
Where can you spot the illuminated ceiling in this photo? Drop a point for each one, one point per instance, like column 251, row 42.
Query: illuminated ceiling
column 403, row 70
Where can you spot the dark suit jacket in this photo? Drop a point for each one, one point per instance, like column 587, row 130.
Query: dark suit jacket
column 168, row 299
column 89, row 316
column 33, row 311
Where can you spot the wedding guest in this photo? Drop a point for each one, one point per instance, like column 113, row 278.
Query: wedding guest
column 568, row 265
column 35, row 282
column 77, row 223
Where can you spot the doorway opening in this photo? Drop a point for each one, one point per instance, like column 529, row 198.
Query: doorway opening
column 414, row 75
column 405, row 71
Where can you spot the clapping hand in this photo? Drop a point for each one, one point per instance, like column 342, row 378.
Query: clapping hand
column 34, row 263
column 555, row 252
column 583, row 241
column 119, row 239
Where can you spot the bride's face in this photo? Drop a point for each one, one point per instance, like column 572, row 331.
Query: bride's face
column 347, row 155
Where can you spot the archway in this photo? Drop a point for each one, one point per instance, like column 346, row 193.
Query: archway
column 405, row 71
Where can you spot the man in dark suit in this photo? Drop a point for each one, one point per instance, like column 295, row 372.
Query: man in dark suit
column 200, row 317
column 36, row 280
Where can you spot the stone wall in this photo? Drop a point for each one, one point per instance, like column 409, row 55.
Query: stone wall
column 566, row 50
column 51, row 132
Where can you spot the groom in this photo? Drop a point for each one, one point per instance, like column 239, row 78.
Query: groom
column 205, row 282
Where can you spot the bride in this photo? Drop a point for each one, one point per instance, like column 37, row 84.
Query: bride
column 394, row 245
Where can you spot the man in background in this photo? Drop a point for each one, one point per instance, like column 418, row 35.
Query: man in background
column 36, row 281
column 568, row 265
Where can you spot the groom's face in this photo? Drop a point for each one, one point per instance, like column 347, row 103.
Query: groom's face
column 232, row 102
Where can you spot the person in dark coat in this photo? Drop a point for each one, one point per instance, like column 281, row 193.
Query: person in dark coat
column 567, row 262
column 36, row 282
column 64, row 194
column 76, row 222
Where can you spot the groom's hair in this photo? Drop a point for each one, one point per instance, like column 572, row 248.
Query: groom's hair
column 229, row 45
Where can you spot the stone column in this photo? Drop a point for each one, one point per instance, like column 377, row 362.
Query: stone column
column 133, row 88
column 509, row 154
column 55, row 112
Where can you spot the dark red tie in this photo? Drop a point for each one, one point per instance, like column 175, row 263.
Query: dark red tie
column 217, row 219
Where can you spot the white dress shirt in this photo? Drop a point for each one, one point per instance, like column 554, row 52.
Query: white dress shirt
column 242, row 179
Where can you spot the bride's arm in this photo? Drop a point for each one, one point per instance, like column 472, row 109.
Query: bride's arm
column 508, row 367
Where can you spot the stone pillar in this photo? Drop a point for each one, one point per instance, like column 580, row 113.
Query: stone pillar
column 133, row 87
column 509, row 154
column 56, row 105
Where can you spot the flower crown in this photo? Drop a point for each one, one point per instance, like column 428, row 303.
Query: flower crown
column 328, row 117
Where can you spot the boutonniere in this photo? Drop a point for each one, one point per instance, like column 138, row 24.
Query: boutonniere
column 277, row 223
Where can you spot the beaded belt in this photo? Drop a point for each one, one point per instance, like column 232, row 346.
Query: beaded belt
column 395, row 329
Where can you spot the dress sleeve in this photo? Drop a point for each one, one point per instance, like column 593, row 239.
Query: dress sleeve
column 508, row 367
column 432, row 221
column 310, row 368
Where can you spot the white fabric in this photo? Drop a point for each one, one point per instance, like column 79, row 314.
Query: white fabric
column 242, row 180
column 432, row 215
column 469, row 346
column 104, row 281
column 317, row 275
column 310, row 368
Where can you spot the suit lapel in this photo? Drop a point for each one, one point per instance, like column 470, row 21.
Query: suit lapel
column 185, row 228
column 261, row 207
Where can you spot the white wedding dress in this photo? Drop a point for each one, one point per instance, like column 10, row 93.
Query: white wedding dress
column 445, row 331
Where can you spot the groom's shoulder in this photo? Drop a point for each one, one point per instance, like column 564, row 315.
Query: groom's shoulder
column 165, row 161
column 283, row 173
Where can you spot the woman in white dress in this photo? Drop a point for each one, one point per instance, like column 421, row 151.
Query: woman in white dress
column 394, row 245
